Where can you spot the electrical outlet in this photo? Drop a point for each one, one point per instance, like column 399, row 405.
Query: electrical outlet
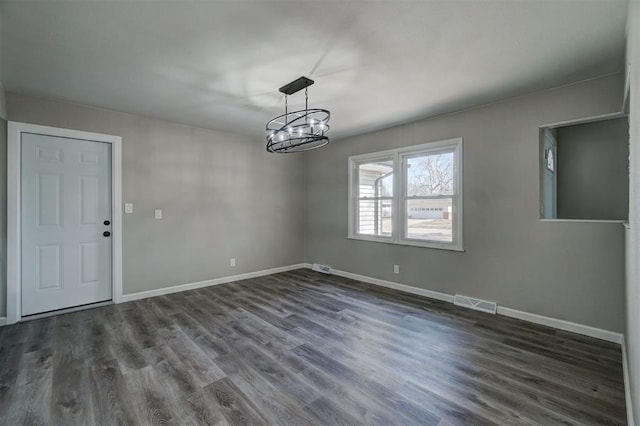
column 158, row 214
column 232, row 261
column 396, row 269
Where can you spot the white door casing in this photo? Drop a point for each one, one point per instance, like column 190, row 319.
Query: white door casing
column 65, row 221
column 549, row 171
column 16, row 133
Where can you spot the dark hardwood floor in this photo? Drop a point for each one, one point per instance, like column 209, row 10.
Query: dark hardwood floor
column 302, row 348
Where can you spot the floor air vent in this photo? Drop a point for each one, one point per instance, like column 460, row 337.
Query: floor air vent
column 477, row 304
column 321, row 268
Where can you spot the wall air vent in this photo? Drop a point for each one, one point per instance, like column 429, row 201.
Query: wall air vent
column 321, row 268
column 477, row 304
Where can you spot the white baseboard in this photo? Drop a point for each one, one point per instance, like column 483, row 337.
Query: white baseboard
column 3, row 321
column 396, row 286
column 585, row 330
column 627, row 384
column 573, row 327
column 207, row 283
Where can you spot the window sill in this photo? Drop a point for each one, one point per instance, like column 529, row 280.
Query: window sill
column 585, row 220
column 449, row 247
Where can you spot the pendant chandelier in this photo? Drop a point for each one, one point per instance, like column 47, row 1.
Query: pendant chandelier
column 301, row 130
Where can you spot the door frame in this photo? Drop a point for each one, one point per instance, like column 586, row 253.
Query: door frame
column 14, row 232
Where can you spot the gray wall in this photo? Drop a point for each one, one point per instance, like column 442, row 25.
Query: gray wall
column 3, row 216
column 593, row 170
column 3, row 195
column 570, row 271
column 221, row 194
column 632, row 333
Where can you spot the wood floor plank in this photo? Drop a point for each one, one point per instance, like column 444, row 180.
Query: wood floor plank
column 355, row 402
column 146, row 393
column 466, row 338
column 278, row 376
column 248, row 304
column 71, row 401
column 110, row 402
column 193, row 357
column 14, row 334
column 277, row 407
column 40, row 334
column 200, row 335
column 301, row 347
column 183, row 395
column 234, row 406
column 449, row 411
column 123, row 344
column 10, row 360
column 142, row 331
column 153, row 313
column 478, row 378
column 377, row 390
column 328, row 412
column 547, row 381
column 32, row 398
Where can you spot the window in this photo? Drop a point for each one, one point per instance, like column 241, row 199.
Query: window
column 410, row 196
column 375, row 197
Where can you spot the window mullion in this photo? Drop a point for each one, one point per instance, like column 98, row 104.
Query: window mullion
column 400, row 187
column 354, row 209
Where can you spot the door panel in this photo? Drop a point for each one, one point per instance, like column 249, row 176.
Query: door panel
column 89, row 200
column 48, row 203
column 66, row 197
column 48, row 154
column 49, row 266
column 89, row 263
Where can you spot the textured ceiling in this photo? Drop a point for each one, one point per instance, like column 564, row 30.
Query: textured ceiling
column 218, row 64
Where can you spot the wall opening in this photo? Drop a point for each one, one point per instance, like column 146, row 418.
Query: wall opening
column 584, row 170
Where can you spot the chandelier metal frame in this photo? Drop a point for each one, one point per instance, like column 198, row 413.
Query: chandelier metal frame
column 301, row 130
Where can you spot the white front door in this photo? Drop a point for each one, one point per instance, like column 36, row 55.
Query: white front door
column 66, row 222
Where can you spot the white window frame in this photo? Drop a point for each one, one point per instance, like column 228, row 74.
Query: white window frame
column 399, row 213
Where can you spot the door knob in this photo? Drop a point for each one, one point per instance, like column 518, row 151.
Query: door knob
column 106, row 222
column 106, row 233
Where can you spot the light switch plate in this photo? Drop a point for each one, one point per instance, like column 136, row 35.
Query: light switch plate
column 158, row 214
column 128, row 208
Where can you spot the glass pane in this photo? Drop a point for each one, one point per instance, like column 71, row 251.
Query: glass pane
column 375, row 179
column 430, row 220
column 374, row 217
column 430, row 174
